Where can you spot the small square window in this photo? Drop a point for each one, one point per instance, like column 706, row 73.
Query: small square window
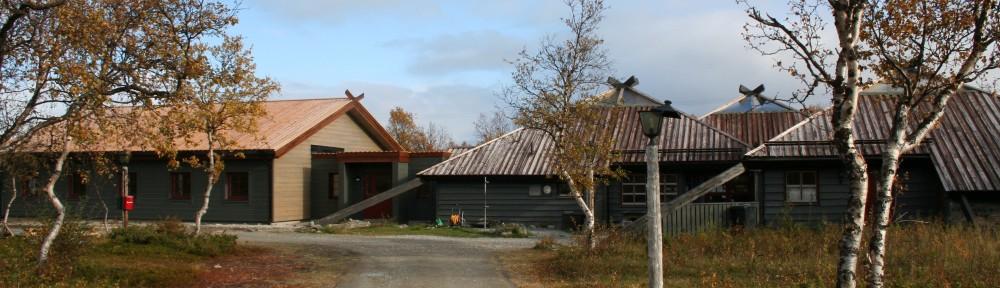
column 801, row 187
column 236, row 186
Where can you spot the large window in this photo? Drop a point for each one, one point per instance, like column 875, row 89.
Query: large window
column 236, row 186
column 634, row 189
column 77, row 186
column 180, row 186
column 800, row 187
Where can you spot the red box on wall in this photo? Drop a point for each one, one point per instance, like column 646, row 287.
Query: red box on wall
column 129, row 202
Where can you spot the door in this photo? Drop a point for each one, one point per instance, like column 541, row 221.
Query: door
column 371, row 185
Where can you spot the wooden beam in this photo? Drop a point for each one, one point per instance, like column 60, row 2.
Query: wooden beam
column 703, row 188
column 691, row 195
column 378, row 198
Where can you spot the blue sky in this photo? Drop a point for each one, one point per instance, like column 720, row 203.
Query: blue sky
column 444, row 60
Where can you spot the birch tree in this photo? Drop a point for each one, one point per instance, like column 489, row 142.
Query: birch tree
column 492, row 126
column 64, row 63
column 226, row 101
column 836, row 69
column 928, row 51
column 553, row 93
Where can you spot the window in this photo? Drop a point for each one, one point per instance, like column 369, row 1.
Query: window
column 331, row 189
column 77, row 186
column 180, row 186
column 535, row 190
column 236, row 186
column 634, row 189
column 26, row 187
column 800, row 187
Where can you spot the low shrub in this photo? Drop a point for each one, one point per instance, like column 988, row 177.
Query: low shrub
column 546, row 243
column 511, row 230
column 172, row 234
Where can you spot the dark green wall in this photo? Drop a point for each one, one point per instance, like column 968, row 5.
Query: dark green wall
column 152, row 199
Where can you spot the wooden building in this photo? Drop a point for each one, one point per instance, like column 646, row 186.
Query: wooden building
column 310, row 158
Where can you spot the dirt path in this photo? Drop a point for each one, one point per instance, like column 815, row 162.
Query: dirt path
column 406, row 261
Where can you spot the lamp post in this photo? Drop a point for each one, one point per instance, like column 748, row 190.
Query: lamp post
column 652, row 124
column 123, row 160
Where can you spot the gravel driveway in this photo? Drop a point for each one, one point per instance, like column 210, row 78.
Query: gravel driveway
column 409, row 261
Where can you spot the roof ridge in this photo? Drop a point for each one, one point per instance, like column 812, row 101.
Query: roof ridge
column 305, row 99
column 471, row 149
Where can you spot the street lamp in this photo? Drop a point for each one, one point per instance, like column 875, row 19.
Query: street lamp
column 652, row 123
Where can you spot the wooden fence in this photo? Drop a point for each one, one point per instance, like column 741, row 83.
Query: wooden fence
column 697, row 217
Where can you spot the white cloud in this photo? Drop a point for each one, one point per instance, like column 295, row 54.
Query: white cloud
column 453, row 107
column 338, row 11
column 484, row 50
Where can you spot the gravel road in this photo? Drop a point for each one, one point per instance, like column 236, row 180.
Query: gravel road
column 409, row 261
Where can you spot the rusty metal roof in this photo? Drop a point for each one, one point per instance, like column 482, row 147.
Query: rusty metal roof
column 527, row 151
column 966, row 150
column 754, row 128
column 285, row 124
column 965, row 146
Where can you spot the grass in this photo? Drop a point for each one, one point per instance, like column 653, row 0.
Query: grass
column 379, row 229
column 157, row 256
column 918, row 256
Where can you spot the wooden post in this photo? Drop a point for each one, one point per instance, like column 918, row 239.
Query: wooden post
column 124, row 194
column 654, row 245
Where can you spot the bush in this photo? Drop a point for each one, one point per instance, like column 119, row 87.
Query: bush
column 173, row 235
column 511, row 230
column 546, row 243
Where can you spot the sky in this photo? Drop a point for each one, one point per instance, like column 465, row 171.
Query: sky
column 444, row 61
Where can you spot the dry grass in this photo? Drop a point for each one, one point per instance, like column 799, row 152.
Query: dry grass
column 160, row 256
column 919, row 256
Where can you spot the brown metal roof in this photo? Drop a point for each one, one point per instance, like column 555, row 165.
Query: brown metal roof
column 813, row 137
column 965, row 146
column 754, row 128
column 527, row 151
column 286, row 124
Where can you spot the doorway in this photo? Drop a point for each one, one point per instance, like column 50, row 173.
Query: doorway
column 371, row 185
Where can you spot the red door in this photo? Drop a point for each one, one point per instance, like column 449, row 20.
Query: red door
column 371, row 186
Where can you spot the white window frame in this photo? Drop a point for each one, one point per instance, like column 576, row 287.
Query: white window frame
column 798, row 193
column 631, row 189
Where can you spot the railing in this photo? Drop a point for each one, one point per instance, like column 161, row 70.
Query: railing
column 697, row 217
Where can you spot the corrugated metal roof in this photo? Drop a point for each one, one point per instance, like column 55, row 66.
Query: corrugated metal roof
column 754, row 128
column 813, row 137
column 966, row 150
column 527, row 151
column 965, row 146
column 285, row 124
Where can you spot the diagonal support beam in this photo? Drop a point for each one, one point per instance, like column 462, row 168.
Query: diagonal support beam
column 691, row 195
column 364, row 204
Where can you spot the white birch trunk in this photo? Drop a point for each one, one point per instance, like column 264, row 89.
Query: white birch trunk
column 590, row 218
column 6, row 212
column 588, row 213
column 883, row 204
column 847, row 19
column 208, row 190
column 50, row 186
column 654, row 240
